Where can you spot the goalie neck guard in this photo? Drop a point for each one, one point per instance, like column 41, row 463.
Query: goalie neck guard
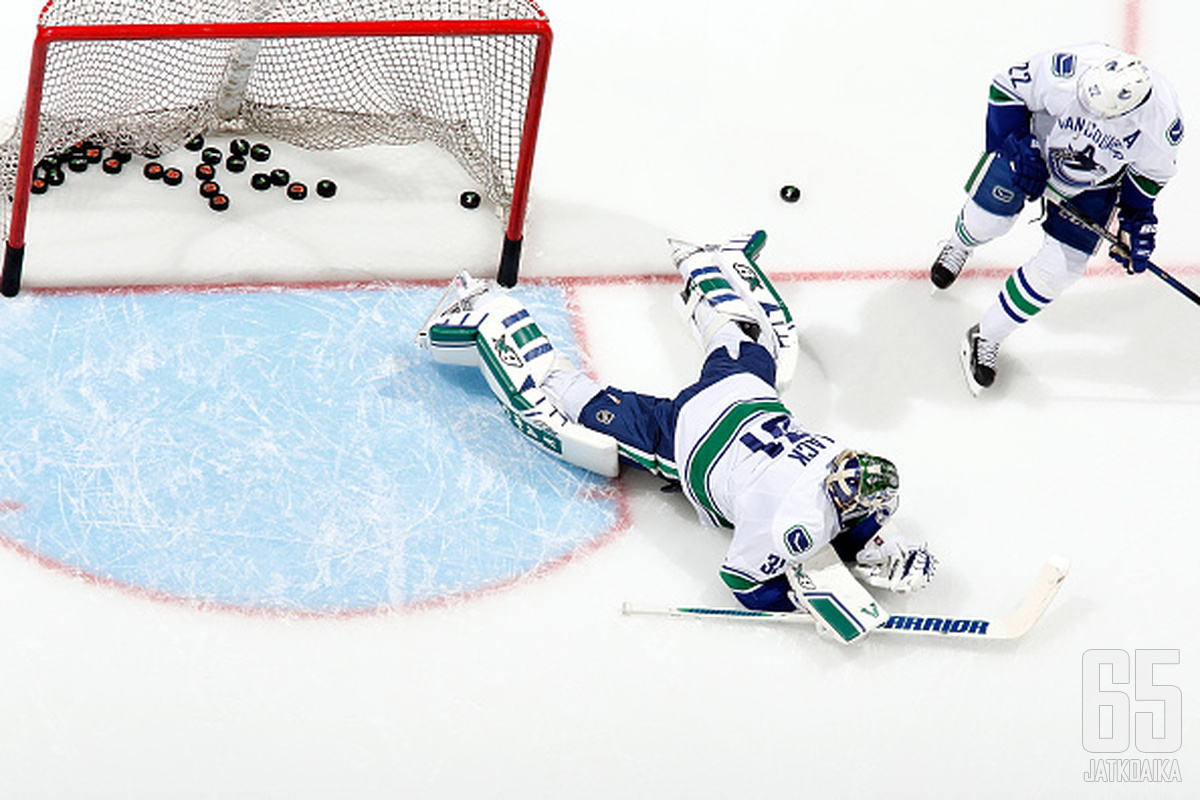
column 860, row 484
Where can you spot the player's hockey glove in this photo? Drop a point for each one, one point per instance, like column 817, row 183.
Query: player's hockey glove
column 889, row 561
column 1137, row 238
column 1028, row 167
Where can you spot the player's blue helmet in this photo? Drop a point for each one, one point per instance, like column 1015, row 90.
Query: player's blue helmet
column 860, row 483
column 1114, row 87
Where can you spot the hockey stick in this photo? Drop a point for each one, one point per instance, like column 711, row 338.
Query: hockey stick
column 1013, row 626
column 1074, row 215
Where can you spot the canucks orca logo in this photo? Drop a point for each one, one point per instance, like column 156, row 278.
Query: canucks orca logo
column 1075, row 167
column 746, row 273
column 507, row 354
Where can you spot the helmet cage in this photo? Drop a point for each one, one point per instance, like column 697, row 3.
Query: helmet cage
column 860, row 483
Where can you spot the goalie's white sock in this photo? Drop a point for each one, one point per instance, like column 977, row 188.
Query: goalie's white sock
column 570, row 390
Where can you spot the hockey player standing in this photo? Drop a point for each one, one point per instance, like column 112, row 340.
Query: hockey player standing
column 1099, row 129
column 740, row 457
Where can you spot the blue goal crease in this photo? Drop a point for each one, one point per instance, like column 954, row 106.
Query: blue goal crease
column 284, row 451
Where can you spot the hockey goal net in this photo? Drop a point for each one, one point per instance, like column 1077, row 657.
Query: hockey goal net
column 146, row 76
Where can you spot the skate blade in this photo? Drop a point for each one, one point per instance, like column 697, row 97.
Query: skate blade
column 964, row 358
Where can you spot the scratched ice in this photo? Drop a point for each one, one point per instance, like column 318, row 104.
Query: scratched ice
column 283, row 450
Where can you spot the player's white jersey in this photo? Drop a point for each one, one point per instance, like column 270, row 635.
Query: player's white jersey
column 1081, row 151
column 746, row 464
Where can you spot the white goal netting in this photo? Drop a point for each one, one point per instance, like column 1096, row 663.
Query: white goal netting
column 150, row 94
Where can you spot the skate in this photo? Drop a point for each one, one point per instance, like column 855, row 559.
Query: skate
column 979, row 360
column 462, row 295
column 948, row 264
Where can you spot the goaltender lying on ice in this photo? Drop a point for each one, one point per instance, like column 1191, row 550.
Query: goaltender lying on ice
column 799, row 502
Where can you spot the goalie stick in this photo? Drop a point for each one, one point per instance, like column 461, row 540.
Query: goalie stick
column 1013, row 626
column 1074, row 215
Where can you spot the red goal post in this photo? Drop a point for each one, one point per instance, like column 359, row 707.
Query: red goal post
column 499, row 49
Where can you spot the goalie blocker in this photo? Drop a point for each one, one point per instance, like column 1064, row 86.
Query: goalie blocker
column 478, row 324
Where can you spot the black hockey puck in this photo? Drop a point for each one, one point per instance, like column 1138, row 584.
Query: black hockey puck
column 218, row 202
column 153, row 170
column 209, row 189
column 55, row 177
column 235, row 164
column 124, row 156
column 78, row 164
column 261, row 181
column 172, row 176
column 39, row 186
column 212, row 155
column 205, row 172
column 196, row 143
column 326, row 188
column 239, row 147
column 260, row 152
column 297, row 191
column 112, row 165
column 52, row 161
column 280, row 177
column 94, row 155
column 789, row 194
column 469, row 199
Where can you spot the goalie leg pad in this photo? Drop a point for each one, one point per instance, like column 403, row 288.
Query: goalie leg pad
column 492, row 330
column 450, row 330
column 727, row 279
column 738, row 265
column 516, row 358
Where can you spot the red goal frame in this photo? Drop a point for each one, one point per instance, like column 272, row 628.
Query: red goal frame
column 507, row 272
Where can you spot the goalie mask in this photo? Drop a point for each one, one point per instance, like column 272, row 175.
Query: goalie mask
column 1114, row 87
column 860, row 483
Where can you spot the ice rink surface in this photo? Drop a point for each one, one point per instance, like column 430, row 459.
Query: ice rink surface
column 681, row 119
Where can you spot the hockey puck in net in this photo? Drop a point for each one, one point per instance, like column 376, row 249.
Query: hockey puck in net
column 218, row 202
column 112, row 165
column 153, row 170
column 469, row 199
column 124, row 156
column 260, row 152
column 789, row 194
column 261, row 181
column 205, row 172
column 39, row 186
column 326, row 188
column 55, row 177
column 172, row 176
column 94, row 155
column 196, row 143
column 297, row 191
column 78, row 164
